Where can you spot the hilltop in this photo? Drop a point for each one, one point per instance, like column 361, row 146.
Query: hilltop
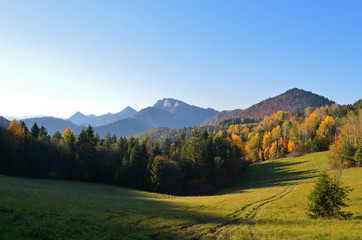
column 291, row 101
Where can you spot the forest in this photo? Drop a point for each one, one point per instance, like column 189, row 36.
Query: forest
column 195, row 163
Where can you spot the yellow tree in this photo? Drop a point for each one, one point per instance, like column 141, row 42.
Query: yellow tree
column 327, row 128
column 238, row 142
column 267, row 140
column 266, row 152
column 294, row 143
column 253, row 148
column 273, row 150
column 15, row 135
column 311, row 125
column 276, row 133
column 234, row 129
column 280, row 116
column 69, row 140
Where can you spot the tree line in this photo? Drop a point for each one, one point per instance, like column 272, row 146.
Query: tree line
column 192, row 166
column 334, row 127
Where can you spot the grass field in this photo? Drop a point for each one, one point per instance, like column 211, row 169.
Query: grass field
column 268, row 202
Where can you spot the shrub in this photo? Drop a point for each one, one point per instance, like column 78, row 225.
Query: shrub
column 328, row 197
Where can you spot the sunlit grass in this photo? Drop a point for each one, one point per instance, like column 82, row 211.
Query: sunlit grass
column 268, row 202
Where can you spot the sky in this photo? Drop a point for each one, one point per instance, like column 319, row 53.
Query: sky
column 62, row 56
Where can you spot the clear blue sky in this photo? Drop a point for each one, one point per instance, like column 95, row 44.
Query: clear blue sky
column 59, row 56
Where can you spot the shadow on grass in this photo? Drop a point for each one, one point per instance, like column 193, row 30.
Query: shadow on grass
column 270, row 174
column 71, row 210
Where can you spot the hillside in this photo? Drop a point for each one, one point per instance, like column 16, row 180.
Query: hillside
column 145, row 119
column 124, row 127
column 292, row 100
column 52, row 124
column 269, row 202
column 4, row 123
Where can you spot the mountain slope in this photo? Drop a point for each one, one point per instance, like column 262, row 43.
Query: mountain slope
column 145, row 119
column 52, row 124
column 79, row 118
column 84, row 120
column 121, row 128
column 292, row 100
column 126, row 113
column 168, row 113
column 4, row 123
column 195, row 115
column 152, row 117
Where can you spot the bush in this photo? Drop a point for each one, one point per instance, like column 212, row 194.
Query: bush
column 328, row 197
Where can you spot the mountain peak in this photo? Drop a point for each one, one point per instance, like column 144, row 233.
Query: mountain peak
column 127, row 112
column 77, row 114
column 128, row 108
column 193, row 114
column 168, row 104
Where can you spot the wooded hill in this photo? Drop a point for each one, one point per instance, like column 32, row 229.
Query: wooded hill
column 291, row 101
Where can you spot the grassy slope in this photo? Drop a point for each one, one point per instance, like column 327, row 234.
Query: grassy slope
column 267, row 203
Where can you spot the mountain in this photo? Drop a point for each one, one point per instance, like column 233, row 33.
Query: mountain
column 193, row 114
column 52, row 124
column 152, row 117
column 4, row 123
column 79, row 118
column 127, row 112
column 292, row 100
column 145, row 119
column 121, row 128
column 84, row 120
column 168, row 113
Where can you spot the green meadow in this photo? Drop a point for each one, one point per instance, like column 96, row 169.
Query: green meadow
column 268, row 202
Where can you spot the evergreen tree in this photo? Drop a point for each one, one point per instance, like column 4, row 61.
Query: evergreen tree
column 328, row 197
column 347, row 153
column 86, row 152
column 56, row 137
column 155, row 169
column 107, row 139
column 34, row 131
column 43, row 134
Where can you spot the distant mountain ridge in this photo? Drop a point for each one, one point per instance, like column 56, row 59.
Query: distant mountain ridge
column 292, row 100
column 84, row 120
column 170, row 113
column 173, row 114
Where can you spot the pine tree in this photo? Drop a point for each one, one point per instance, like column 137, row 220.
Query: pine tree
column 347, row 153
column 328, row 197
column 34, row 130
